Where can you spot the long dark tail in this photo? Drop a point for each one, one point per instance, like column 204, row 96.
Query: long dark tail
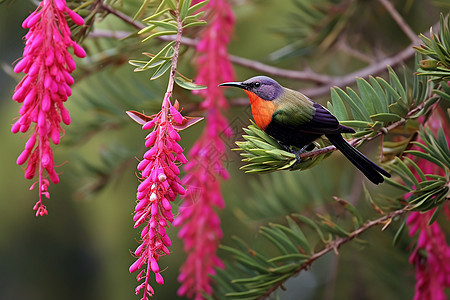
column 365, row 165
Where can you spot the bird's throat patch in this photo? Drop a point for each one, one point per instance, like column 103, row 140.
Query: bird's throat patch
column 262, row 110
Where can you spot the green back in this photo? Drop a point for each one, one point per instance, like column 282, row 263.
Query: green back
column 293, row 109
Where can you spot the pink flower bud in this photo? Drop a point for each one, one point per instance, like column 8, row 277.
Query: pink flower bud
column 46, row 103
column 139, row 249
column 21, row 65
column 48, row 81
column 153, row 222
column 26, row 22
column 154, row 209
column 144, row 231
column 154, row 265
column 138, row 215
column 150, row 139
column 76, row 18
column 34, row 69
column 55, row 136
column 53, row 176
column 30, row 97
column 159, row 278
column 65, row 115
column 49, row 58
column 174, row 134
column 19, row 95
column 68, row 78
column 78, row 50
column 162, row 222
column 162, row 231
column 176, row 148
column 177, row 188
column 61, row 4
column 166, row 204
column 23, row 157
column 70, row 63
column 181, row 158
column 136, row 265
column 166, row 240
column 31, row 142
column 174, row 168
column 143, row 203
column 142, row 164
column 149, row 124
column 150, row 153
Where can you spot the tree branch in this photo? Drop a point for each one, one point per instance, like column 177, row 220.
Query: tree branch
column 358, row 141
column 334, row 245
column 325, row 81
column 399, row 20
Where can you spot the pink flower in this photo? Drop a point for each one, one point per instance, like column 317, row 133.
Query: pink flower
column 431, row 256
column 43, row 90
column 200, row 224
column 159, row 187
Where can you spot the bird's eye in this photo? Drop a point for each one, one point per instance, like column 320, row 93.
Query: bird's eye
column 257, row 84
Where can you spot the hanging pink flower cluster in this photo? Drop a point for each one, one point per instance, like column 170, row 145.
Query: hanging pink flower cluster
column 44, row 89
column 159, row 187
column 431, row 256
column 200, row 223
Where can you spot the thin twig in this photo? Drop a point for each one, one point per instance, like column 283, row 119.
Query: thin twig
column 399, row 20
column 334, row 245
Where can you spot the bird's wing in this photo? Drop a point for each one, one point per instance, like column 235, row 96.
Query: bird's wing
column 299, row 112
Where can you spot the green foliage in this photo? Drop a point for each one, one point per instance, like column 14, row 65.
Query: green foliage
column 426, row 191
column 286, row 251
column 264, row 154
column 166, row 21
column 314, row 25
column 437, row 49
column 279, row 194
column 381, row 103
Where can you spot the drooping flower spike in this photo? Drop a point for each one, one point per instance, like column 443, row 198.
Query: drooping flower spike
column 160, row 185
column 47, row 64
column 198, row 218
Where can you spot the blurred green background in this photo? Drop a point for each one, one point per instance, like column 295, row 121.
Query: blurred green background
column 81, row 249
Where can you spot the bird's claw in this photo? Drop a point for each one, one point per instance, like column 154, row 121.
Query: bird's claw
column 296, row 152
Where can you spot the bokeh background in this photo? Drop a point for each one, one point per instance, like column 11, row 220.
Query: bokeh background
column 81, row 249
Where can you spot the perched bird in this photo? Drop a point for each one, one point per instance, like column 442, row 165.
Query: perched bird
column 295, row 120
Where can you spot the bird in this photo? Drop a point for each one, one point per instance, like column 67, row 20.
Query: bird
column 295, row 120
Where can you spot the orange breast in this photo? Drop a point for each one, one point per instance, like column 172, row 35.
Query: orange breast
column 262, row 110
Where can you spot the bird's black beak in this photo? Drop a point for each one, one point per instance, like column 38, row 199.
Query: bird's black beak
column 234, row 84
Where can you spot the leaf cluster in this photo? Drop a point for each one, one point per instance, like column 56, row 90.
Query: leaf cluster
column 437, row 49
column 426, row 191
column 257, row 274
column 264, row 154
column 314, row 25
column 381, row 103
column 169, row 18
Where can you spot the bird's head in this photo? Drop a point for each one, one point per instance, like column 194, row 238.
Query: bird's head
column 262, row 86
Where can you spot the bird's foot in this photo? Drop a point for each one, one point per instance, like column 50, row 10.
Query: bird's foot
column 297, row 153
